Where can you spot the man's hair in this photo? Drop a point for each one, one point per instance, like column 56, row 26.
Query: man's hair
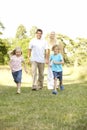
column 39, row 30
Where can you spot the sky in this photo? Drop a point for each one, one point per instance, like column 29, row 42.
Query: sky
column 66, row 17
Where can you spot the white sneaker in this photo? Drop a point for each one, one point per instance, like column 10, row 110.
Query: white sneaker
column 18, row 91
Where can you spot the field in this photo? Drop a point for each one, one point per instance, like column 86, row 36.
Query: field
column 41, row 110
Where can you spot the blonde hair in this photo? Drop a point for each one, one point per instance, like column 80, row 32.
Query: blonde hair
column 16, row 49
column 55, row 47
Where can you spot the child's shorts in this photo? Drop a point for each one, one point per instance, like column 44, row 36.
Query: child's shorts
column 17, row 75
column 57, row 75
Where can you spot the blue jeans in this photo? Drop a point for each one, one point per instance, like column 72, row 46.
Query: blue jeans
column 17, row 76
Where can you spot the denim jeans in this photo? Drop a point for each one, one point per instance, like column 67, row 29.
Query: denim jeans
column 17, row 76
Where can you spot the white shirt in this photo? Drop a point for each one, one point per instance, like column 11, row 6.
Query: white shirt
column 38, row 47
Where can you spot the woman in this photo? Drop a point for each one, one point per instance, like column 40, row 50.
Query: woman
column 52, row 41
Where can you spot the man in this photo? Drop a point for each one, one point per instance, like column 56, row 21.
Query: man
column 38, row 51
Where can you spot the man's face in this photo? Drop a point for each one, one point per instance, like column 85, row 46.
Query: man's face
column 39, row 35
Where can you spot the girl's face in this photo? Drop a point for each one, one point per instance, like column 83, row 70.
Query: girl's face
column 18, row 53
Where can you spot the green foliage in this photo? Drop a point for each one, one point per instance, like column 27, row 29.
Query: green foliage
column 4, row 46
column 33, row 31
column 75, row 51
column 1, row 27
column 23, row 43
column 21, row 32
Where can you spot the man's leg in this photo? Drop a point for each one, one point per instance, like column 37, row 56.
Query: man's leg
column 40, row 74
column 34, row 75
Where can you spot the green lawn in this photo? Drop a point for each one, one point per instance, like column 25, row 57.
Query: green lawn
column 41, row 110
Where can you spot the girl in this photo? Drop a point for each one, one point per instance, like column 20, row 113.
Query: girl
column 56, row 60
column 16, row 60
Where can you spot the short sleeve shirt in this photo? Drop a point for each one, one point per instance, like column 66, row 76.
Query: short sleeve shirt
column 38, row 47
column 16, row 63
column 57, row 58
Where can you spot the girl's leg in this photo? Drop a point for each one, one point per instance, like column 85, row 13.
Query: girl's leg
column 18, row 87
column 18, row 80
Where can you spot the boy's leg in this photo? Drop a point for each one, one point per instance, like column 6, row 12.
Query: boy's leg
column 55, row 83
column 60, row 80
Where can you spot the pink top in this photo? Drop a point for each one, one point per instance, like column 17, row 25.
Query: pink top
column 16, row 63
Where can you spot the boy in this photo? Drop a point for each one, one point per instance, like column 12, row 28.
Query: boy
column 57, row 60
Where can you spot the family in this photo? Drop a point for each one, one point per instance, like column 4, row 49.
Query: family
column 40, row 52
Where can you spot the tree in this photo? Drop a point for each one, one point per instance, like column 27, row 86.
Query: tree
column 75, row 51
column 21, row 32
column 33, row 31
column 1, row 27
column 4, row 46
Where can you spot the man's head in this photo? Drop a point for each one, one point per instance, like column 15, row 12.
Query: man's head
column 39, row 33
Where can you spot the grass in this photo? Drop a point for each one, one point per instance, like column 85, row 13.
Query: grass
column 41, row 110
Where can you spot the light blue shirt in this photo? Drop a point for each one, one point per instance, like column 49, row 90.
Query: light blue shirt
column 57, row 58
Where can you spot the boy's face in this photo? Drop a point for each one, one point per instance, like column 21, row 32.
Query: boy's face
column 56, row 50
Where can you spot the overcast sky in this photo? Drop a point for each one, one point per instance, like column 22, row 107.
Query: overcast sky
column 67, row 17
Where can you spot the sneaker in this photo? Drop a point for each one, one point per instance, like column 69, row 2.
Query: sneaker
column 34, row 87
column 54, row 92
column 18, row 91
column 61, row 87
column 39, row 88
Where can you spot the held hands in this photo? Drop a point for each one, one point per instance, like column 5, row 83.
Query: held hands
column 47, row 61
column 26, row 71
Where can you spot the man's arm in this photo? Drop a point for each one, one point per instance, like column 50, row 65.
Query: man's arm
column 47, row 54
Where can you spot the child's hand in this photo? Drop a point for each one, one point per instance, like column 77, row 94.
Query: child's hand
column 54, row 62
column 51, row 62
column 26, row 71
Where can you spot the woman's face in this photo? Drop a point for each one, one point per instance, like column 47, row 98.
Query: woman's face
column 52, row 35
